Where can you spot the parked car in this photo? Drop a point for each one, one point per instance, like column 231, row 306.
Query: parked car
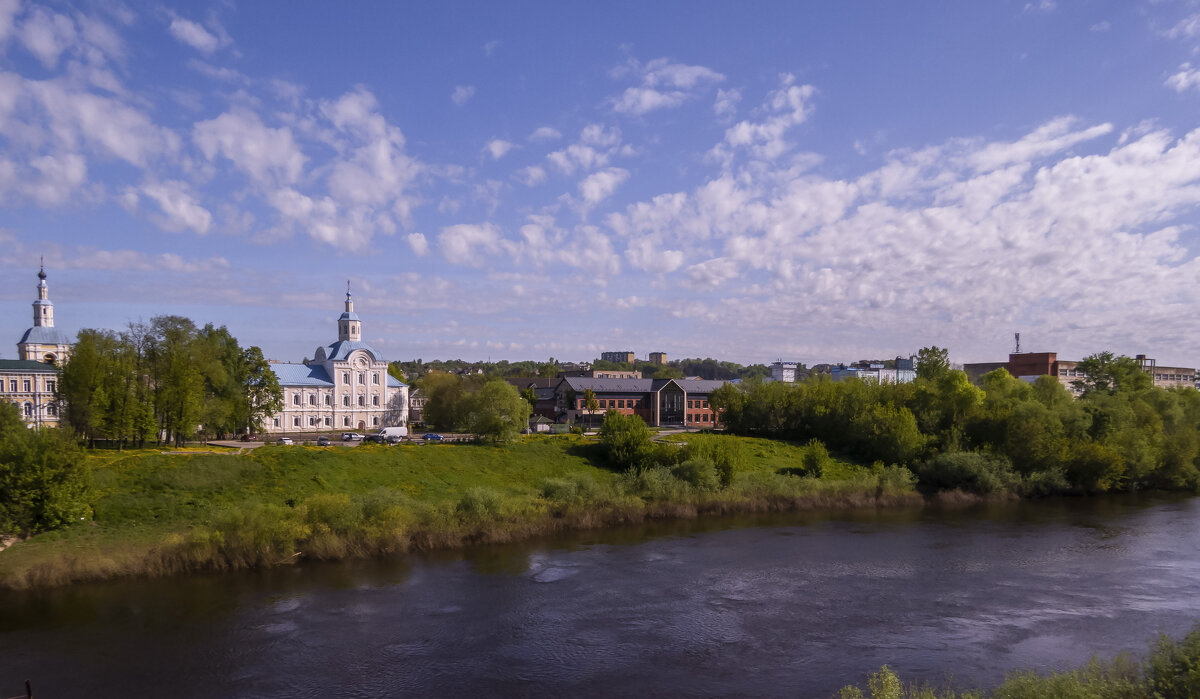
column 375, row 439
column 351, row 436
column 285, row 440
column 434, row 437
column 323, row 441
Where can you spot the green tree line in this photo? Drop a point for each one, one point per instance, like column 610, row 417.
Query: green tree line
column 486, row 406
column 1119, row 434
column 166, row 379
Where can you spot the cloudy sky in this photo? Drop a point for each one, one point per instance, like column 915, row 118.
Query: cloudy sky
column 809, row 181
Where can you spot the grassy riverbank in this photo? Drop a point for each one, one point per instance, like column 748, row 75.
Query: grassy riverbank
column 157, row 513
column 1171, row 670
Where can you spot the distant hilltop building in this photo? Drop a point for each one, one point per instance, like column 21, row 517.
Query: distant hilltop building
column 618, row 357
column 345, row 386
column 32, row 380
column 659, row 358
column 783, row 372
column 1030, row 365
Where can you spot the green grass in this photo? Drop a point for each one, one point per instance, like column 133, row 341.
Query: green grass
column 157, row 513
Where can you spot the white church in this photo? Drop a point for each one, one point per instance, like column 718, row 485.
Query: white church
column 346, row 386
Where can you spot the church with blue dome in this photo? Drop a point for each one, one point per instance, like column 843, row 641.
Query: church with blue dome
column 344, row 387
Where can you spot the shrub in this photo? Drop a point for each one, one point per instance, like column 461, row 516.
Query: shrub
column 815, row 458
column 700, row 473
column 1173, row 668
column 575, row 489
column 626, row 440
column 480, row 505
column 982, row 474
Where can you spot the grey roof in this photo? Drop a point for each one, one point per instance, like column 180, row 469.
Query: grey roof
column 395, row 382
column 26, row 365
column 580, row 383
column 341, row 349
column 301, row 375
column 45, row 336
column 349, row 315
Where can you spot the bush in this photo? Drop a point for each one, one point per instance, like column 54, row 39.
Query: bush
column 1173, row 668
column 575, row 489
column 625, row 439
column 45, row 482
column 480, row 505
column 815, row 459
column 700, row 473
column 982, row 474
column 726, row 453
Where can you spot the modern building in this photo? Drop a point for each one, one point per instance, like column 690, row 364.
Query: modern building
column 659, row 358
column 1030, row 365
column 545, row 403
column 659, row 402
column 345, row 386
column 32, row 380
column 783, row 372
column 618, row 357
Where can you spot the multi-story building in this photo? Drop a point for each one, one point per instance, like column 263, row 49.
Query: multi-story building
column 659, row 358
column 32, row 381
column 1030, row 365
column 783, row 372
column 618, row 357
column 659, row 402
column 345, row 386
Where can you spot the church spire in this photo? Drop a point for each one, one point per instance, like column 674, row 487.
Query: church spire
column 349, row 326
column 43, row 309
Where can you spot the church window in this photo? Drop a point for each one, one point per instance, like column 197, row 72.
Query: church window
column 346, row 421
column 28, row 386
column 51, row 385
column 328, row 399
column 346, row 377
column 362, row 401
column 295, row 422
column 296, row 399
column 375, row 401
column 52, row 410
column 276, row 421
column 375, row 421
column 327, row 422
column 312, row 421
column 12, row 385
column 375, row 378
column 361, row 378
column 346, row 401
column 29, row 410
column 312, row 400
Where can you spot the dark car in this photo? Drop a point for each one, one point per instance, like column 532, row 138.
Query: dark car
column 322, row 441
column 434, row 437
column 375, row 439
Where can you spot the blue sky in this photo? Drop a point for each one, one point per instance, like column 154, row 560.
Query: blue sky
column 809, row 181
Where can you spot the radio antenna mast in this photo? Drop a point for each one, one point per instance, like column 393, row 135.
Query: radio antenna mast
column 1018, row 337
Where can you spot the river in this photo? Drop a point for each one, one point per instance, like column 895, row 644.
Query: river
column 782, row 605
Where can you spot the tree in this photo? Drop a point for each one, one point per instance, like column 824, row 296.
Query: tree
column 590, row 403
column 498, row 411
column 726, row 405
column 625, row 439
column 261, row 391
column 45, row 482
column 530, row 397
column 932, row 363
column 1104, row 373
column 443, row 400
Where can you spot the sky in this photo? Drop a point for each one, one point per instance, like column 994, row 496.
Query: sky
column 814, row 182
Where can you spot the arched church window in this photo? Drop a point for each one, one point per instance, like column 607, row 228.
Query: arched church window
column 362, row 401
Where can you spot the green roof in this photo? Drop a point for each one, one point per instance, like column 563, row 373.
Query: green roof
column 26, row 365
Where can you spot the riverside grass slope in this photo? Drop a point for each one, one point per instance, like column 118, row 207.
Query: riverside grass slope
column 159, row 514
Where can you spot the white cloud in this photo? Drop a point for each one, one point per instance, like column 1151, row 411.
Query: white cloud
column 545, row 133
column 497, row 148
column 725, row 105
column 419, row 245
column 267, row 155
column 664, row 85
column 1101, row 26
column 531, row 176
column 469, row 244
column 785, row 108
column 60, row 176
column 179, row 207
column 462, row 93
column 8, row 13
column 642, row 254
column 1053, row 136
column 47, row 35
column 1186, row 28
column 194, row 35
column 1187, row 78
column 490, row 47
column 598, row 186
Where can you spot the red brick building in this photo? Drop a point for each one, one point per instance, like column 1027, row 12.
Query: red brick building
column 659, row 402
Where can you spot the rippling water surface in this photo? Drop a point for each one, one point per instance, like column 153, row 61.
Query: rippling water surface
column 795, row 605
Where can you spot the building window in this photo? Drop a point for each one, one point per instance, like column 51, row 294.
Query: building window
column 327, row 421
column 52, row 410
column 312, row 400
column 375, row 421
column 28, row 386
column 29, row 410
column 346, row 401
column 362, row 401
column 346, row 377
column 312, row 421
column 296, row 399
column 295, row 422
column 276, row 421
column 328, row 399
column 12, row 385
column 361, row 378
column 375, row 401
column 346, row 421
column 51, row 385
column 375, row 378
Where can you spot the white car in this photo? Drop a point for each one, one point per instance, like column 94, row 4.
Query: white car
column 285, row 440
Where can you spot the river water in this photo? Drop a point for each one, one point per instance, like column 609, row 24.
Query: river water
column 786, row 605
